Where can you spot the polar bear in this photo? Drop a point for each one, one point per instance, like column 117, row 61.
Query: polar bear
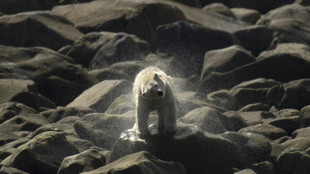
column 153, row 91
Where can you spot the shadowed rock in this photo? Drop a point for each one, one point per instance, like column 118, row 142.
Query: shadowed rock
column 198, row 151
column 41, row 28
column 140, row 163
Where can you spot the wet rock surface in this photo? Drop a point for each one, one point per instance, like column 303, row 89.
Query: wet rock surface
column 240, row 72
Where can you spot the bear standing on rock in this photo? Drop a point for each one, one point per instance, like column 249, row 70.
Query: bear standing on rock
column 153, row 91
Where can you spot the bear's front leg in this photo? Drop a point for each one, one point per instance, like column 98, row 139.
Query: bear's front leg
column 142, row 117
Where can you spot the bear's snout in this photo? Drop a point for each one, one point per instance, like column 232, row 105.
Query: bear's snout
column 160, row 93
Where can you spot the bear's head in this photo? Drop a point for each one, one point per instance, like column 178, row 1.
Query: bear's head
column 153, row 88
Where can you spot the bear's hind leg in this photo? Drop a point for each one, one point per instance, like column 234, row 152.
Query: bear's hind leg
column 167, row 115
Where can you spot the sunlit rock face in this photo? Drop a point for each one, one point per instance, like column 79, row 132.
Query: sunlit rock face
column 239, row 72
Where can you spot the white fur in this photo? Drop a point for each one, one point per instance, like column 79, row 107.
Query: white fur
column 153, row 91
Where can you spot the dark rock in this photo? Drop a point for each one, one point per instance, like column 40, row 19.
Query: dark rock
column 245, row 171
column 226, row 59
column 84, row 49
column 252, row 148
column 255, row 38
column 267, row 130
column 17, row 90
column 301, row 143
column 172, row 39
column 245, row 93
column 302, row 132
column 302, row 2
column 209, row 19
column 103, row 130
column 45, row 103
column 6, row 137
column 29, row 122
column 43, row 154
column 60, row 80
column 288, row 23
column 265, row 167
column 247, row 15
column 10, row 109
column 282, row 67
column 100, row 96
column 219, row 8
column 55, row 115
column 64, row 127
column 233, row 121
column 205, row 118
column 207, row 151
column 294, row 94
column 141, row 162
column 285, row 113
column 37, row 29
column 122, row 47
column 135, row 17
column 11, row 170
column 82, row 144
column 299, row 49
column 83, row 162
column 293, row 161
column 256, row 117
column 64, row 50
column 255, row 107
column 304, row 116
column 289, row 124
column 16, row 6
column 276, row 151
column 262, row 6
column 63, row 2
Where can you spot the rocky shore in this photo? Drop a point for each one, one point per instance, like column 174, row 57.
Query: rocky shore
column 241, row 73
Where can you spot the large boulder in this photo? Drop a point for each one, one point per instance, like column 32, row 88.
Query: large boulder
column 18, row 90
column 16, row 6
column 40, row 28
column 289, row 23
column 255, row 38
column 43, row 154
column 122, row 47
column 304, row 116
column 172, row 39
column 293, row 161
column 205, row 118
column 251, row 147
column 302, row 50
column 59, row 113
column 55, row 75
column 294, row 94
column 245, row 93
column 140, row 163
column 267, row 130
column 135, row 17
column 280, row 67
column 219, row 8
column 85, row 48
column 226, row 59
column 100, row 96
column 247, row 15
column 103, row 129
column 29, row 122
column 83, row 162
column 198, row 151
